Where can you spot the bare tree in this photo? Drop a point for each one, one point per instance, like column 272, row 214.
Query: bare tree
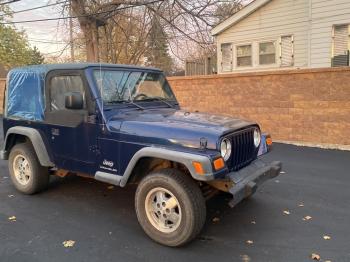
column 182, row 19
column 227, row 9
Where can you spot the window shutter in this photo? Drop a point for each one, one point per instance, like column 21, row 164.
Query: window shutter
column 287, row 50
column 226, row 57
column 340, row 46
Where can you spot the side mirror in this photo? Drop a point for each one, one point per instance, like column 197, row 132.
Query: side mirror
column 74, row 100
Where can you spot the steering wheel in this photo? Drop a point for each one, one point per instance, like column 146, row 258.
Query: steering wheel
column 140, row 96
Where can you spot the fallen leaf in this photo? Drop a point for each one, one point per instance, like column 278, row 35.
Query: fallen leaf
column 301, row 205
column 286, row 212
column 253, row 222
column 68, row 243
column 326, row 237
column 245, row 258
column 216, row 219
column 110, row 187
column 307, row 218
column 315, row 256
column 13, row 218
column 249, row 242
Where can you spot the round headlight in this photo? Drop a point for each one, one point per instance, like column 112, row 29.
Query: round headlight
column 257, row 137
column 226, row 149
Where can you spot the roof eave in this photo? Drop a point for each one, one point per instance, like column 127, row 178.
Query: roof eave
column 243, row 13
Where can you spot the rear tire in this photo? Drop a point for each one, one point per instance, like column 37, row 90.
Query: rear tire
column 27, row 175
column 170, row 207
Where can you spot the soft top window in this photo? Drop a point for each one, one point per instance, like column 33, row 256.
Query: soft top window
column 25, row 95
column 60, row 86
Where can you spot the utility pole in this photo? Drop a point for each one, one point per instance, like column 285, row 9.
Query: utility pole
column 71, row 32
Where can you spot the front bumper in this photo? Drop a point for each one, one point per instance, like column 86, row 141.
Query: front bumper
column 247, row 180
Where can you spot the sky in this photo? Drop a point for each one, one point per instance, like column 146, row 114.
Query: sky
column 47, row 36
column 50, row 37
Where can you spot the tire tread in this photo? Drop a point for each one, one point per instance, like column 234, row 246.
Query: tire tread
column 41, row 179
column 194, row 193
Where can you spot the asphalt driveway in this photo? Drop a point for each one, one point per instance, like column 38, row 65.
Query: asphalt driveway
column 103, row 224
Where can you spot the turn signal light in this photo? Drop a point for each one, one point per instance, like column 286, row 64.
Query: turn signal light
column 269, row 141
column 198, row 168
column 219, row 163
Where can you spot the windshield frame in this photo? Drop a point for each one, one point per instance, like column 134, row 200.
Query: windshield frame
column 124, row 102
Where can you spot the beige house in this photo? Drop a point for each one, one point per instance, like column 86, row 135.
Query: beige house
column 280, row 34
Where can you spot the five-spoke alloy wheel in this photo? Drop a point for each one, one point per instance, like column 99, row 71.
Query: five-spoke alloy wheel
column 27, row 175
column 170, row 207
column 21, row 169
column 163, row 210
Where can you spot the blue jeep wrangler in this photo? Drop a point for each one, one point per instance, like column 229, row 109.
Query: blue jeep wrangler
column 122, row 124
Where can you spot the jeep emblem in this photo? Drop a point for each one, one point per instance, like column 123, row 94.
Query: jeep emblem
column 108, row 163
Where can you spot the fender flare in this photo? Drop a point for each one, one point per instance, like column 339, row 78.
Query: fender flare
column 36, row 139
column 181, row 157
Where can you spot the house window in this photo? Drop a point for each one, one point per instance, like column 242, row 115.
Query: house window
column 287, row 51
column 340, row 45
column 244, row 55
column 226, row 57
column 267, row 53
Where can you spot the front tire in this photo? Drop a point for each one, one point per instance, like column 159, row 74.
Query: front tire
column 170, row 207
column 27, row 175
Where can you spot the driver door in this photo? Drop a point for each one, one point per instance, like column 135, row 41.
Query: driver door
column 71, row 132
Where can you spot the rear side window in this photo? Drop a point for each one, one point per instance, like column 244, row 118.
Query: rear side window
column 60, row 86
column 24, row 95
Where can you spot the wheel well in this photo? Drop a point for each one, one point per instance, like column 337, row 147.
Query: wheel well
column 14, row 139
column 147, row 165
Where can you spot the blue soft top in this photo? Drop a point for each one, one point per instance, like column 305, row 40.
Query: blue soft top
column 45, row 68
column 25, row 91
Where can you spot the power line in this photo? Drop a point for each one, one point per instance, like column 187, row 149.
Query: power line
column 46, row 42
column 9, row 2
column 59, row 51
column 31, row 9
column 77, row 16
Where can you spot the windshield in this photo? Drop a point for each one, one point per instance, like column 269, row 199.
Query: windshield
column 119, row 86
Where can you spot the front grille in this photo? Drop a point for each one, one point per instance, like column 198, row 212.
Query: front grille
column 243, row 149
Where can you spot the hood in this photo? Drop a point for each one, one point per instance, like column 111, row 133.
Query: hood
column 177, row 127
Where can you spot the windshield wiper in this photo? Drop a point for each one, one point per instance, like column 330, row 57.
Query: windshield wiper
column 129, row 102
column 158, row 99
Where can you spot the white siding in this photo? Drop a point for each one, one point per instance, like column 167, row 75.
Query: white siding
column 270, row 22
column 325, row 14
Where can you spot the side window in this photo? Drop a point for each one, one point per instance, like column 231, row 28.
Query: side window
column 267, row 53
column 60, row 86
column 244, row 55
